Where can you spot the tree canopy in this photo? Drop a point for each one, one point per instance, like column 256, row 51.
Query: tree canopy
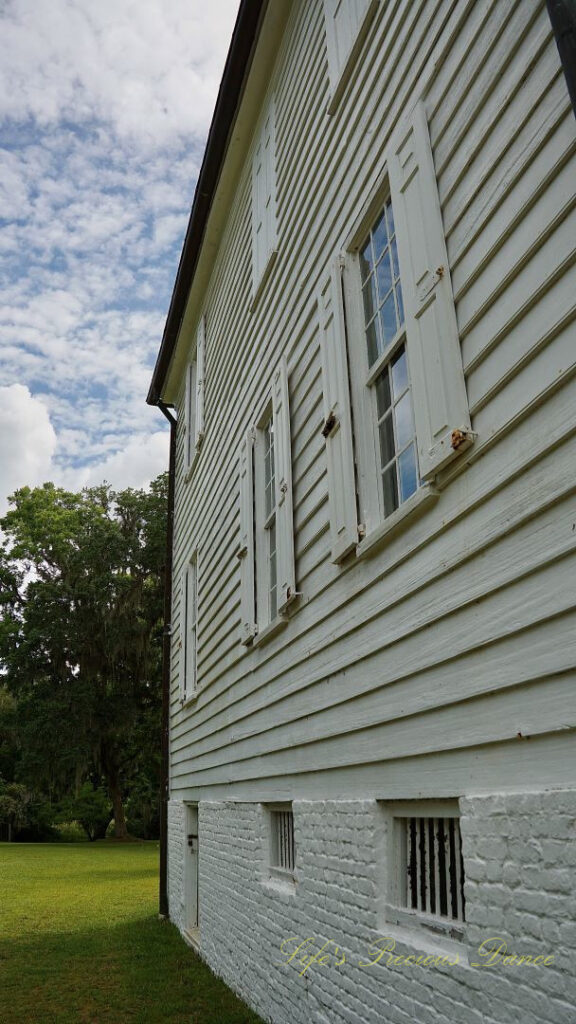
column 81, row 585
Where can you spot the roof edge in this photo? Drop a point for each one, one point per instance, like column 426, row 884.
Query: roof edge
column 236, row 71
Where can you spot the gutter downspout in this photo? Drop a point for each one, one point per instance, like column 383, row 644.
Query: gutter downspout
column 163, row 909
column 562, row 14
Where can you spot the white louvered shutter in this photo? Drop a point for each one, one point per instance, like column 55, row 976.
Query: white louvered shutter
column 283, row 474
column 199, row 412
column 183, row 659
column 248, row 627
column 440, row 401
column 189, row 414
column 337, row 428
column 346, row 23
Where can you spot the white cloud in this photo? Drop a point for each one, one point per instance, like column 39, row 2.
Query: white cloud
column 29, row 441
column 103, row 113
column 142, row 459
column 149, row 67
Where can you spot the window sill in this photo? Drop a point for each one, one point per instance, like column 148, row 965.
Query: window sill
column 417, row 941
column 415, row 505
column 263, row 279
column 269, row 631
column 284, row 886
column 188, row 702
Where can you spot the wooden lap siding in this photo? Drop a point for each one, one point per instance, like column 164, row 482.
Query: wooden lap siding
column 417, row 652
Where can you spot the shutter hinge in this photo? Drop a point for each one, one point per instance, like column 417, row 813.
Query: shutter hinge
column 330, row 424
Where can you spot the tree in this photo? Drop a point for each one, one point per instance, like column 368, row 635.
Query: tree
column 91, row 809
column 81, row 581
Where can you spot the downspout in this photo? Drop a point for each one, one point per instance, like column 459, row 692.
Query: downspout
column 562, row 14
column 166, row 645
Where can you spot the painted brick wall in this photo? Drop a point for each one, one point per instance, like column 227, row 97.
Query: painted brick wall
column 176, row 831
column 520, row 867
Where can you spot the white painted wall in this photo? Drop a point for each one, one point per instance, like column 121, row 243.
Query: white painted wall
column 520, row 888
column 442, row 665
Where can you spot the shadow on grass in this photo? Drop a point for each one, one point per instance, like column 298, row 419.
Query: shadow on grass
column 137, row 971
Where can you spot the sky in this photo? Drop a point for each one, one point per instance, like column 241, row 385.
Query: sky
column 104, row 112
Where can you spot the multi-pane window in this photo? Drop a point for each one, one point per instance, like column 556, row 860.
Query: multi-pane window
column 397, row 441
column 428, row 881
column 394, row 394
column 270, row 517
column 381, row 288
column 388, row 379
column 282, row 848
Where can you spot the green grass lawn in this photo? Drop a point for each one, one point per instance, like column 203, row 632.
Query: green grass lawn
column 80, row 941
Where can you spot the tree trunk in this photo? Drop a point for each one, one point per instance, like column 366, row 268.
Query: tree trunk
column 120, row 827
column 111, row 774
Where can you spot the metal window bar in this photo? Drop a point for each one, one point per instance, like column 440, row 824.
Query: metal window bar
column 284, row 829
column 434, row 867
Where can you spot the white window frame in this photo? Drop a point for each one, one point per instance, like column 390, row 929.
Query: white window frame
column 396, row 907
column 264, row 227
column 188, row 669
column 281, row 842
column 194, row 403
column 373, row 522
column 257, row 621
column 430, row 333
column 265, row 523
column 347, row 23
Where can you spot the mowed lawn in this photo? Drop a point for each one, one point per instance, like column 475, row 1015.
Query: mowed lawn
column 81, row 942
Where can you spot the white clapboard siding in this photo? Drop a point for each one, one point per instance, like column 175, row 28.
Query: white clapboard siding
column 455, row 634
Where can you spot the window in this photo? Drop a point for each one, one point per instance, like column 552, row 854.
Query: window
column 282, row 848
column 189, row 629
column 388, row 377
column 395, row 404
column 263, row 202
column 347, row 22
column 427, row 878
column 266, row 552
column 266, row 527
column 194, row 403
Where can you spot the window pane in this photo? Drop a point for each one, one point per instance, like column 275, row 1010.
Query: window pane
column 383, row 396
column 390, row 218
column 408, row 474
column 399, row 373
column 379, row 236
column 388, row 319
column 384, row 276
column 366, row 261
column 394, row 252
column 404, row 423
column 370, row 301
column 272, row 570
column 390, row 490
column 386, row 441
column 400, row 302
column 373, row 339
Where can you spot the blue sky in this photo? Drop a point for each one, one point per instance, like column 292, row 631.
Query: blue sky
column 104, row 111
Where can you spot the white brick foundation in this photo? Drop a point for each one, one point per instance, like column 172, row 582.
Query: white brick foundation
column 520, row 869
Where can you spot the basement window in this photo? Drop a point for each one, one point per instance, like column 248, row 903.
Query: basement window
column 282, row 847
column 427, row 880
